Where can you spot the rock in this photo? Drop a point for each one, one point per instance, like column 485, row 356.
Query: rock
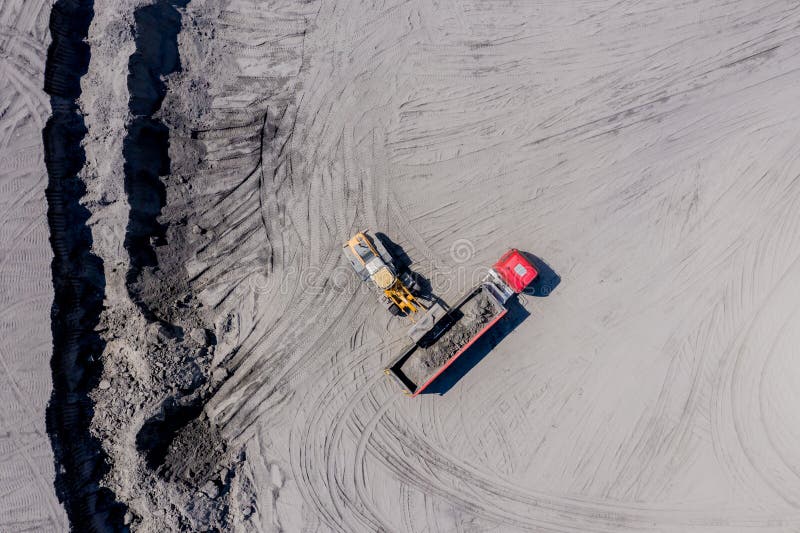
column 210, row 489
column 219, row 374
column 198, row 335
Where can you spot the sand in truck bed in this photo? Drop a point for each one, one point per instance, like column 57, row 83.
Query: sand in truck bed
column 477, row 312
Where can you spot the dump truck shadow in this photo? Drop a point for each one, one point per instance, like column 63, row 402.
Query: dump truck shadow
column 545, row 282
column 475, row 354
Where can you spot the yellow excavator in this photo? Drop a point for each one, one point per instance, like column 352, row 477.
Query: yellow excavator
column 372, row 261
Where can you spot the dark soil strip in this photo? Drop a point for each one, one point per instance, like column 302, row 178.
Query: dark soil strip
column 173, row 442
column 146, row 147
column 78, row 283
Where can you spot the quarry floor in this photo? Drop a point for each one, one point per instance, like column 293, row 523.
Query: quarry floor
column 205, row 358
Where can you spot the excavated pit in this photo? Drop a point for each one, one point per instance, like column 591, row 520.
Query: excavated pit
column 156, row 435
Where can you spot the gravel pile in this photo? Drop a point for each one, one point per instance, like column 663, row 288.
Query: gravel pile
column 477, row 312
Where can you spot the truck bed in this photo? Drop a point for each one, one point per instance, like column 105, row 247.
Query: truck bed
column 420, row 363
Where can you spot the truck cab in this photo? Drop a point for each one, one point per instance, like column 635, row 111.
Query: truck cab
column 511, row 274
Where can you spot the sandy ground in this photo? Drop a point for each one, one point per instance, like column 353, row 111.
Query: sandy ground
column 27, row 499
column 645, row 151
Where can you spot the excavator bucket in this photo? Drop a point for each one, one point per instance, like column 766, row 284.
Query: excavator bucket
column 402, row 298
column 426, row 322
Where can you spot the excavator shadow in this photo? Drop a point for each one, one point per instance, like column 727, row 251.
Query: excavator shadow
column 402, row 263
column 475, row 354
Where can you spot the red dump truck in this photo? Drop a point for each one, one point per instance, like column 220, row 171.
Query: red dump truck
column 442, row 335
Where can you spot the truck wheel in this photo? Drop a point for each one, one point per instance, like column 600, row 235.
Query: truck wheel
column 394, row 310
